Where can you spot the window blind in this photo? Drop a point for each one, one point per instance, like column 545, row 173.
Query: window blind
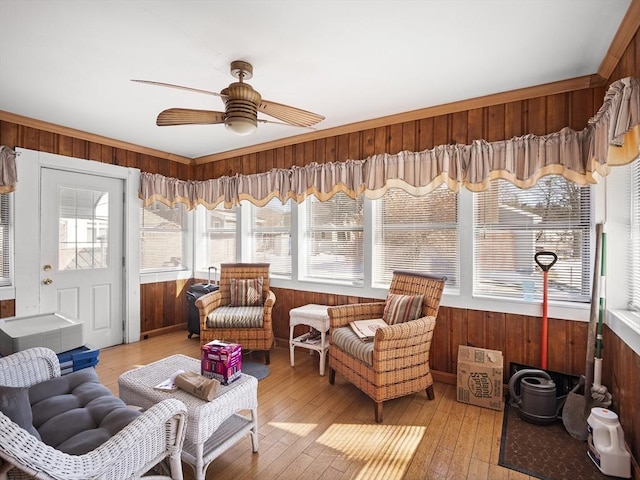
column 5, row 238
column 634, row 254
column 220, row 236
column 271, row 236
column 334, row 246
column 162, row 232
column 511, row 225
column 416, row 233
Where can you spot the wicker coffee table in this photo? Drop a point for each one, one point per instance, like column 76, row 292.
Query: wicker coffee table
column 212, row 427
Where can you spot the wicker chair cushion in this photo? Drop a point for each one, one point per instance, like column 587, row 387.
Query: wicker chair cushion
column 236, row 317
column 75, row 413
column 402, row 308
column 14, row 403
column 246, row 292
column 346, row 340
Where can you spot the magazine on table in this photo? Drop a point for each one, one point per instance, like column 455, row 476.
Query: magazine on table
column 366, row 329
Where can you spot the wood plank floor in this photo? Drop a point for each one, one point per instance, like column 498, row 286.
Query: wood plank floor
column 309, row 429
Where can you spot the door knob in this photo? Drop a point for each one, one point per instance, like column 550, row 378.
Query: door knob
column 46, row 268
column 47, row 281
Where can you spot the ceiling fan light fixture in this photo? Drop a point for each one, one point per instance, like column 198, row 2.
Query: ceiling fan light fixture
column 241, row 125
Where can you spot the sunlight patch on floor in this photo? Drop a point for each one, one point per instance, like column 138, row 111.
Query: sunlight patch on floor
column 383, row 450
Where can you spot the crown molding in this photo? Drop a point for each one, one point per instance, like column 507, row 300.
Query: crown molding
column 626, row 31
column 90, row 137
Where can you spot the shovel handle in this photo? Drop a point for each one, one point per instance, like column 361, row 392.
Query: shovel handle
column 550, row 263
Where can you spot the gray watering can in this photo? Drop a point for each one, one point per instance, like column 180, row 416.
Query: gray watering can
column 536, row 402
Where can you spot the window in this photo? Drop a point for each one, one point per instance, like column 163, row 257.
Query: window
column 271, row 236
column 634, row 236
column 333, row 239
column 83, row 229
column 5, row 238
column 162, row 238
column 220, row 235
column 416, row 233
column 511, row 225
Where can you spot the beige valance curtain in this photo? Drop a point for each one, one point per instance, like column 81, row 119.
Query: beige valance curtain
column 8, row 176
column 611, row 138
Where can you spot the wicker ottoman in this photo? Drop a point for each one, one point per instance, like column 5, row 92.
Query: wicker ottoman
column 212, row 427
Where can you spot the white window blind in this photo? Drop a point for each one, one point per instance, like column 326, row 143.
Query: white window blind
column 511, row 225
column 416, row 233
column 334, row 248
column 271, row 236
column 5, row 238
column 220, row 236
column 634, row 271
column 162, row 237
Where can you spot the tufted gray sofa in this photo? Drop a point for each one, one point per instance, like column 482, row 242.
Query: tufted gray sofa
column 72, row 427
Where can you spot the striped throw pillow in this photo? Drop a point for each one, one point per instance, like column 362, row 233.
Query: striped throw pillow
column 402, row 308
column 246, row 292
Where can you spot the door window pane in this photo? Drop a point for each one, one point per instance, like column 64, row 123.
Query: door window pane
column 83, row 229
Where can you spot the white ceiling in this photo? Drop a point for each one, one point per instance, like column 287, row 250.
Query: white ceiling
column 69, row 62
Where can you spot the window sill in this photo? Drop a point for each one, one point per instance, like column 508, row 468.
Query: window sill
column 169, row 276
column 7, row 293
column 626, row 325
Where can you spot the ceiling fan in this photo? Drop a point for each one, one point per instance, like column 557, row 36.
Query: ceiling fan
column 242, row 104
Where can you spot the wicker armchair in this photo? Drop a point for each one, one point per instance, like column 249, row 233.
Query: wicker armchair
column 396, row 362
column 156, row 434
column 221, row 321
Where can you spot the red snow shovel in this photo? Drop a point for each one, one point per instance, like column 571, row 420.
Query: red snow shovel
column 551, row 258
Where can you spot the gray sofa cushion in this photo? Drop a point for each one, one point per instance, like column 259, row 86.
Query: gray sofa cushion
column 14, row 403
column 75, row 413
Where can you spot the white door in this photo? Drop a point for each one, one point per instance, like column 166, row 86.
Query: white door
column 81, row 257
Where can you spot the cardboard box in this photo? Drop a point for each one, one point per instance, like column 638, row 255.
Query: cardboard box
column 480, row 377
column 221, row 361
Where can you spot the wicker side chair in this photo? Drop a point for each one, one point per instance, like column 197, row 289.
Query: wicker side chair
column 396, row 362
column 157, row 434
column 221, row 321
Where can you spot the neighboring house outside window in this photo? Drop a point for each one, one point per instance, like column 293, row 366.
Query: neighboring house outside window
column 218, row 239
column 416, row 233
column 511, row 225
column 333, row 243
column 162, row 238
column 270, row 232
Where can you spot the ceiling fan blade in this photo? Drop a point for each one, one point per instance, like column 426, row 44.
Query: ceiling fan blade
column 188, row 116
column 262, row 120
column 291, row 115
column 179, row 87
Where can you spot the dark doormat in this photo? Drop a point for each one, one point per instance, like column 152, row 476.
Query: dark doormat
column 255, row 369
column 544, row 451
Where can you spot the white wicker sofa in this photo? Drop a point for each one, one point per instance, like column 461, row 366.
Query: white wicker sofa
column 125, row 444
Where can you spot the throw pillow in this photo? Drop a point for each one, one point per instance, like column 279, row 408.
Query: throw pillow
column 14, row 403
column 246, row 292
column 402, row 308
